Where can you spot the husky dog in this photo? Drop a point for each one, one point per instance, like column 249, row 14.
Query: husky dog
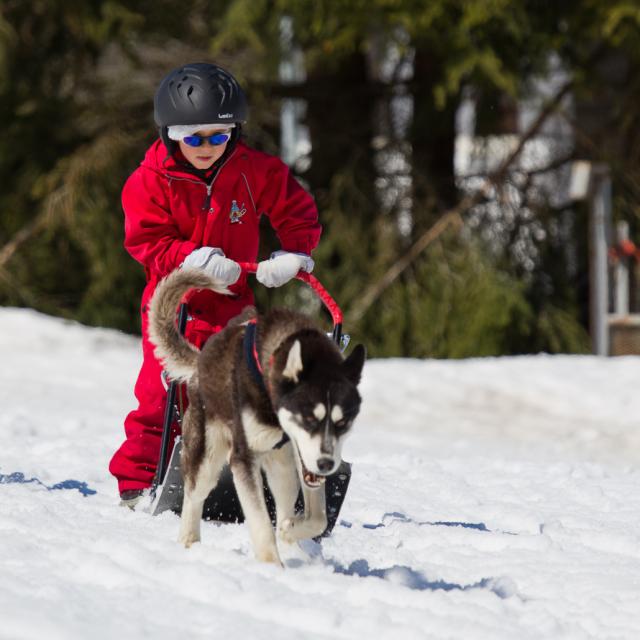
column 291, row 422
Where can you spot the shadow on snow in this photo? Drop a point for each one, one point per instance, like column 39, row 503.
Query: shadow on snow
column 415, row 580
column 19, row 478
column 395, row 516
column 502, row 587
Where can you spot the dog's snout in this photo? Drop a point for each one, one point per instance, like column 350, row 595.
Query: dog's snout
column 325, row 464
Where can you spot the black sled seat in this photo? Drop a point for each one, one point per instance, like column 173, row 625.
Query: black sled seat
column 223, row 505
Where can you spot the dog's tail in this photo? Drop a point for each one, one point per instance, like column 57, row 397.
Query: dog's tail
column 178, row 356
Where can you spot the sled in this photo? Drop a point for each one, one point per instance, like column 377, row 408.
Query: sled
column 223, row 505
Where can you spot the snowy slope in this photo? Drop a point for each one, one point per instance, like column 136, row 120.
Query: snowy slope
column 492, row 498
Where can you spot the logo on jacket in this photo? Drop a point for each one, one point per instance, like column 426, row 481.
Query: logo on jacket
column 236, row 212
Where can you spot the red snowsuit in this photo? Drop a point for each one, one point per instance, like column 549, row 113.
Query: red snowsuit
column 169, row 212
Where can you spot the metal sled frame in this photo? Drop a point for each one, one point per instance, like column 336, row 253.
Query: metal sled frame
column 223, row 504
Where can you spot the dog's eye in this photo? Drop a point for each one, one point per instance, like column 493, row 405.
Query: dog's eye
column 341, row 424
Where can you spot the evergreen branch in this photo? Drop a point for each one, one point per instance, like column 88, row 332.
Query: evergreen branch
column 70, row 173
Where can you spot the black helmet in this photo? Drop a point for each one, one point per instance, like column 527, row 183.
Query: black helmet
column 199, row 93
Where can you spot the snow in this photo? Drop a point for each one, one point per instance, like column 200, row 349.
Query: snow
column 490, row 498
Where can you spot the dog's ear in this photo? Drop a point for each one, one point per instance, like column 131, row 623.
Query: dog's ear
column 352, row 366
column 293, row 368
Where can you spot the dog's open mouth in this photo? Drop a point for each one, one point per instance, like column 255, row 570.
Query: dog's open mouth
column 312, row 480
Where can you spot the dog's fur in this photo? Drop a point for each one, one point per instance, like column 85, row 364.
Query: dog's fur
column 311, row 394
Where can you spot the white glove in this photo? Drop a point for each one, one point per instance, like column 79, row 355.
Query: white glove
column 212, row 261
column 281, row 267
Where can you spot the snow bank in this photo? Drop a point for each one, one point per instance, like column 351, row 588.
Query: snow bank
column 490, row 498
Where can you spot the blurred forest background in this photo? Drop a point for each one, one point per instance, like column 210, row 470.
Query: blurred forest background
column 436, row 136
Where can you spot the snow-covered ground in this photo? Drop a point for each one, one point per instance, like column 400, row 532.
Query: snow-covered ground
column 490, row 498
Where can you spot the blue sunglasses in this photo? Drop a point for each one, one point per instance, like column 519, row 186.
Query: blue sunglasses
column 215, row 140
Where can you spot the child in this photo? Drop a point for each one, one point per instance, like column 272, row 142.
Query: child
column 196, row 200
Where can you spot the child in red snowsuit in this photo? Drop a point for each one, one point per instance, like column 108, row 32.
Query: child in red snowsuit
column 197, row 199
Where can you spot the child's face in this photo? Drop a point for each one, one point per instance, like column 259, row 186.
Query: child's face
column 206, row 154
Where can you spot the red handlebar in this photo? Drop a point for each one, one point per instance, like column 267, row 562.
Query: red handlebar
column 314, row 283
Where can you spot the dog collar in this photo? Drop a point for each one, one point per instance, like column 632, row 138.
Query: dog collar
column 253, row 363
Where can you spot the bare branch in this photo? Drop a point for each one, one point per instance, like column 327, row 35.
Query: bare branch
column 26, row 233
column 455, row 214
column 52, row 210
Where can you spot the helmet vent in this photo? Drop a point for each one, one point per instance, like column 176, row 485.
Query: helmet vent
column 199, row 92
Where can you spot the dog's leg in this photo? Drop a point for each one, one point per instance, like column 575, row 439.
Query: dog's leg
column 282, row 477
column 310, row 524
column 200, row 479
column 314, row 520
column 315, row 511
column 248, row 482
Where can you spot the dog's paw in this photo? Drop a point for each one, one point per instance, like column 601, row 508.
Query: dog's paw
column 187, row 539
column 269, row 555
column 289, row 529
column 300, row 528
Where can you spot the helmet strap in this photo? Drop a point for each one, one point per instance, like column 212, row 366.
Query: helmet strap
column 171, row 145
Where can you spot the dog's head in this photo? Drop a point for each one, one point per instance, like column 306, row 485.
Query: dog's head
column 317, row 400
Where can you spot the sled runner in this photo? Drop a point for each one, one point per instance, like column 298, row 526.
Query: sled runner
column 223, row 505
